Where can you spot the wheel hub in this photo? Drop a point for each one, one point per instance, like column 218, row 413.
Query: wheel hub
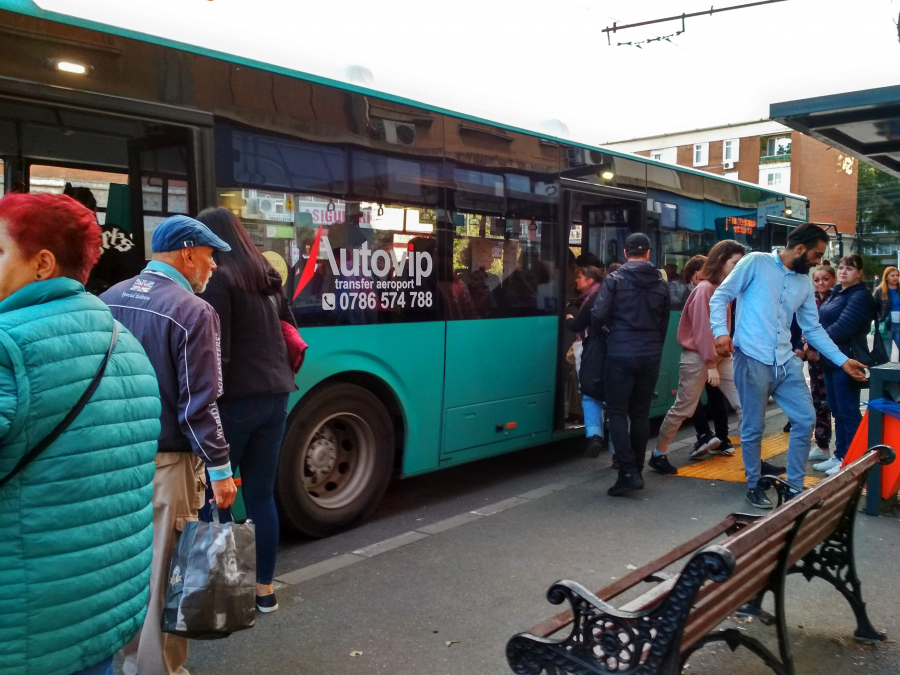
column 321, row 458
column 339, row 460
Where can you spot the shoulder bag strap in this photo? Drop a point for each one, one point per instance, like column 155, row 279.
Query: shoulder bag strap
column 32, row 454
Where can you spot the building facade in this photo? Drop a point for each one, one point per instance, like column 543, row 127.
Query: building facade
column 767, row 154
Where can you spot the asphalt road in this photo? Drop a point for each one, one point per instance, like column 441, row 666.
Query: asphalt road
column 447, row 602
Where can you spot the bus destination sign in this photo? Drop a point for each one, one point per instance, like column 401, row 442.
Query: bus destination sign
column 740, row 225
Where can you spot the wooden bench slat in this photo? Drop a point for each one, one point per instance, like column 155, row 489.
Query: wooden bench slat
column 745, row 584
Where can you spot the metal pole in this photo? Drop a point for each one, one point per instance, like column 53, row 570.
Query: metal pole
column 873, row 482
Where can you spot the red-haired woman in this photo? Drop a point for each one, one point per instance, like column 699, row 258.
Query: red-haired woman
column 75, row 516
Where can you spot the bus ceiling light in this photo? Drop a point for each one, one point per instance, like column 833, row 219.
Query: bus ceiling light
column 607, row 175
column 71, row 67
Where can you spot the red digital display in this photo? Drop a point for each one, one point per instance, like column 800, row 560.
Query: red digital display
column 740, row 225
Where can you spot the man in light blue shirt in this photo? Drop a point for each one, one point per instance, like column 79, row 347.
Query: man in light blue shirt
column 772, row 288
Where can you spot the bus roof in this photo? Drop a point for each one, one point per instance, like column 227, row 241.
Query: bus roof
column 30, row 8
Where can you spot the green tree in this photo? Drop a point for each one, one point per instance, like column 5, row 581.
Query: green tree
column 877, row 205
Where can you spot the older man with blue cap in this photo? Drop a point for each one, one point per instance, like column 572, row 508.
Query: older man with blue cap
column 180, row 333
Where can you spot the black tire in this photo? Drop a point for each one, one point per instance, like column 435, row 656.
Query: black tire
column 336, row 461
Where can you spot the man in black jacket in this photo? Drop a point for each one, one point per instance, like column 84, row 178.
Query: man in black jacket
column 633, row 304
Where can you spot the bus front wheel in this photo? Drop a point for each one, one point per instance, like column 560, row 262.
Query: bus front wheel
column 336, row 461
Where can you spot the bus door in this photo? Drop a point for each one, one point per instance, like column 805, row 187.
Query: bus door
column 132, row 162
column 599, row 224
column 606, row 225
column 163, row 181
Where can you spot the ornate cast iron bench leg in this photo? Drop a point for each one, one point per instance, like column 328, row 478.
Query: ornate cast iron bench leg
column 833, row 560
column 605, row 639
column 735, row 638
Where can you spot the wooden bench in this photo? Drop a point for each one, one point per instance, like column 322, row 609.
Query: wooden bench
column 809, row 534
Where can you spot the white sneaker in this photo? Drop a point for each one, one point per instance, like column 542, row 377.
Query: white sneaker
column 833, row 470
column 819, row 455
column 827, row 465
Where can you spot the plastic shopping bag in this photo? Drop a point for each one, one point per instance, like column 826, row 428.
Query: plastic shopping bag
column 211, row 591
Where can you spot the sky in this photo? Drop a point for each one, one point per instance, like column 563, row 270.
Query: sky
column 529, row 62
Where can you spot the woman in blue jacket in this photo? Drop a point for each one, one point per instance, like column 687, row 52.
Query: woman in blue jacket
column 76, row 521
column 847, row 317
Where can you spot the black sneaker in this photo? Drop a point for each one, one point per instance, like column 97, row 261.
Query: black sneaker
column 625, row 483
column 787, row 427
column 594, row 447
column 771, row 469
column 757, row 497
column 266, row 603
column 704, row 445
column 661, row 464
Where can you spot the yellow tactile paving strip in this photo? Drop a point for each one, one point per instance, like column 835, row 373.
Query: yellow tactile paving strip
column 731, row 469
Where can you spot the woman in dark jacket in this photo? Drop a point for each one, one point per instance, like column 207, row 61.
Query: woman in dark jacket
column 246, row 293
column 847, row 317
column 587, row 281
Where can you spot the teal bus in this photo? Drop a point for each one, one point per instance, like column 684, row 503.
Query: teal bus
column 428, row 255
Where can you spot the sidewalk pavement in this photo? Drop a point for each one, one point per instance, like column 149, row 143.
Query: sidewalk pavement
column 445, row 601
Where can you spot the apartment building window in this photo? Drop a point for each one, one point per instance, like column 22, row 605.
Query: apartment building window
column 732, row 175
column 730, row 150
column 778, row 177
column 779, row 146
column 701, row 154
column 668, row 155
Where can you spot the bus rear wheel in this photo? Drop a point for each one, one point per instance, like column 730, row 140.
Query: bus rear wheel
column 336, row 461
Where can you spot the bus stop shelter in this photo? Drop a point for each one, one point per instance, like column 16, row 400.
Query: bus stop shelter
column 864, row 124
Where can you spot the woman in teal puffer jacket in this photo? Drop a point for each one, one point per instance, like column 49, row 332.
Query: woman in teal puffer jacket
column 75, row 523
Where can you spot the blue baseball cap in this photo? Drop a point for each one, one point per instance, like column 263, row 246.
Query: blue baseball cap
column 178, row 232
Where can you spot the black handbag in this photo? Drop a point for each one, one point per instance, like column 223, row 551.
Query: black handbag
column 32, row 454
column 593, row 365
column 877, row 356
column 880, row 352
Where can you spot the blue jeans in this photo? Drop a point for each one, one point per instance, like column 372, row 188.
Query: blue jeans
column 756, row 381
column 895, row 335
column 254, row 428
column 104, row 667
column 593, row 416
column 843, row 401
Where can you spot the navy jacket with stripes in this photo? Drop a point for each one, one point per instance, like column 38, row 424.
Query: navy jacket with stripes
column 180, row 333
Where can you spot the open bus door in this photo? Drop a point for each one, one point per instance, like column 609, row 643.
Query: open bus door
column 599, row 221
column 164, row 178
column 139, row 161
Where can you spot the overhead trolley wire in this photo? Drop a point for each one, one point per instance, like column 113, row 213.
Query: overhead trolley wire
column 615, row 28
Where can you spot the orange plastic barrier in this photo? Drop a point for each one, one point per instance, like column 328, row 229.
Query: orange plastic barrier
column 890, row 435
